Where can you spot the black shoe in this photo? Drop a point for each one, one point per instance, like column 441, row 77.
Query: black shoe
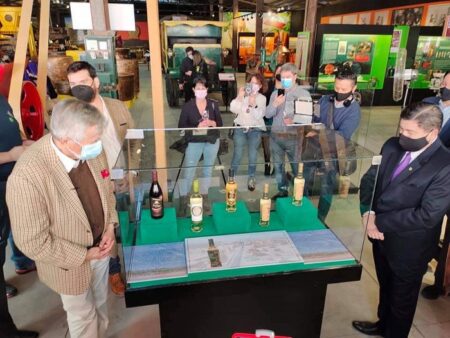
column 281, row 193
column 368, row 328
column 26, row 334
column 431, row 292
column 11, row 291
column 267, row 170
column 251, row 184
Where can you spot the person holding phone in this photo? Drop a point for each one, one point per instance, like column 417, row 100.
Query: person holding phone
column 201, row 113
column 249, row 107
column 283, row 140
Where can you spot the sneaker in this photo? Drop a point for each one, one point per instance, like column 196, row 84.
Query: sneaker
column 281, row 193
column 117, row 284
column 267, row 170
column 11, row 291
column 26, row 270
column 251, row 183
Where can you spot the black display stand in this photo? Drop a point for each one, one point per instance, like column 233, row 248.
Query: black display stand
column 291, row 304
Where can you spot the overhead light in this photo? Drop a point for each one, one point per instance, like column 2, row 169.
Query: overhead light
column 213, row 15
column 269, row 13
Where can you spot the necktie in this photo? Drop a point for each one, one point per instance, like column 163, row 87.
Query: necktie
column 402, row 165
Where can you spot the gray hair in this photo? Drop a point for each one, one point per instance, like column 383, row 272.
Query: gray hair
column 71, row 118
column 428, row 116
column 289, row 67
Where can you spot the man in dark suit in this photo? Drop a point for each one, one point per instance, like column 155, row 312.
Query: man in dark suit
column 412, row 194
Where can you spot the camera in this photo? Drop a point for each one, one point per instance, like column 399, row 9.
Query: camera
column 248, row 89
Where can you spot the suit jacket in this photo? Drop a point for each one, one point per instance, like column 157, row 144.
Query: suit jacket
column 409, row 210
column 122, row 121
column 48, row 221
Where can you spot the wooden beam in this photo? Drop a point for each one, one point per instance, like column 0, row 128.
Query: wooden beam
column 235, row 35
column 310, row 26
column 157, row 92
column 15, row 90
column 44, row 23
column 100, row 16
column 258, row 29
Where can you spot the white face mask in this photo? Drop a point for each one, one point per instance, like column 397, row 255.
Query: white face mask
column 201, row 93
column 255, row 88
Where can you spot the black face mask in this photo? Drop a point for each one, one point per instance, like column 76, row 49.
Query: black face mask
column 83, row 92
column 445, row 94
column 341, row 96
column 278, row 77
column 412, row 144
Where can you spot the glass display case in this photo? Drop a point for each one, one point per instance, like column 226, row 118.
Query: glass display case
column 266, row 253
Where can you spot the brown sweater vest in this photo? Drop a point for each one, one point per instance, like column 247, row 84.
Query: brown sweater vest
column 87, row 191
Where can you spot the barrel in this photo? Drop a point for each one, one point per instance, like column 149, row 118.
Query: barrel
column 130, row 66
column 122, row 53
column 125, row 87
column 57, row 72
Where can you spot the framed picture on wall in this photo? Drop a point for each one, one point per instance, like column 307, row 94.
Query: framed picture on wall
column 335, row 19
column 364, row 18
column 349, row 19
column 407, row 16
column 436, row 14
column 381, row 18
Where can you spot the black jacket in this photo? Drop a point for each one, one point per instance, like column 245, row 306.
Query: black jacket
column 409, row 210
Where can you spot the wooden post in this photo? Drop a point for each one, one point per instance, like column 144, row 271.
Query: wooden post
column 100, row 16
column 44, row 22
column 310, row 26
column 157, row 91
column 259, row 22
column 15, row 90
column 235, row 35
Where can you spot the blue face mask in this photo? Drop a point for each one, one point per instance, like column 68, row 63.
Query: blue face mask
column 90, row 151
column 286, row 83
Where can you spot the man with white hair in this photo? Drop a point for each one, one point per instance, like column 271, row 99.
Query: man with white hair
column 63, row 215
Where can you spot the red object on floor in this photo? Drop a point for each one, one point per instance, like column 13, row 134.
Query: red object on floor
column 256, row 335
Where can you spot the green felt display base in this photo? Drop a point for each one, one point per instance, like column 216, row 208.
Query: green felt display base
column 231, row 222
column 163, row 230
column 294, row 217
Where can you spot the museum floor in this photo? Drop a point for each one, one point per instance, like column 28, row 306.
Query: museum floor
column 38, row 308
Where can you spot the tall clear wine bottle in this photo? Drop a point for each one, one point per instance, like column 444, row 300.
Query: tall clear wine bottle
column 156, row 197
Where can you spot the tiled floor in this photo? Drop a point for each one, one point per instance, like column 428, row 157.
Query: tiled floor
column 38, row 308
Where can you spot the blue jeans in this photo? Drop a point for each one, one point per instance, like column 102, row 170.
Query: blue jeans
column 7, row 326
column 280, row 146
column 193, row 153
column 21, row 261
column 251, row 138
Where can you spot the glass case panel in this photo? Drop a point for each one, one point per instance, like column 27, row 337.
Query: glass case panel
column 325, row 228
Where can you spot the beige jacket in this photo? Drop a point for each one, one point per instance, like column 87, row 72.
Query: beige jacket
column 48, row 221
column 122, row 121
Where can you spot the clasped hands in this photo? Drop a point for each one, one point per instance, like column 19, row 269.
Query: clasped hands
column 206, row 123
column 104, row 248
column 372, row 229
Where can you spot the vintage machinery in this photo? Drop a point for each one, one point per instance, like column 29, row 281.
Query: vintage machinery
column 204, row 36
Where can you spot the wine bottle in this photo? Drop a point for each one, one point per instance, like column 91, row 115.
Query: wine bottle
column 196, row 202
column 213, row 254
column 231, row 192
column 264, row 207
column 299, row 185
column 156, row 197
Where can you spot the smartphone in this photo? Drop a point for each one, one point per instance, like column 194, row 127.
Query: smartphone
column 280, row 91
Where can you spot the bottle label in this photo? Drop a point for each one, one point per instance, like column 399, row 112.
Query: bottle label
column 196, row 210
column 231, row 197
column 265, row 210
column 156, row 206
column 299, row 184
